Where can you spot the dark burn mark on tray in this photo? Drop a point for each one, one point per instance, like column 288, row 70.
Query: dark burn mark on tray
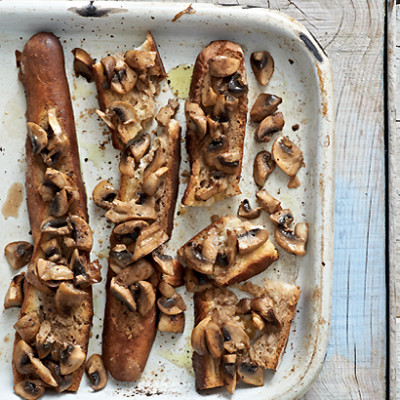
column 92, row 11
column 310, row 46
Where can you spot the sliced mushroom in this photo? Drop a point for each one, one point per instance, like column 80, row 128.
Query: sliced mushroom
column 44, row 339
column 59, row 205
column 226, row 257
column 268, row 126
column 52, row 250
column 153, row 180
column 81, row 234
column 251, row 374
column 15, row 294
column 215, row 186
column 283, row 218
column 164, row 262
column 22, row 355
column 222, row 66
column 124, row 111
column 124, row 211
column 55, row 226
column 229, row 162
column 30, row 389
column 171, row 303
column 121, row 255
column 264, row 307
column 195, row 119
column 79, row 265
column 43, row 372
column 104, row 194
column 193, row 254
column 83, row 64
column 258, row 322
column 123, row 79
column 50, row 271
column 293, row 242
column 245, row 210
column 134, row 273
column 235, row 337
column 123, row 294
column 146, row 298
column 251, row 240
column 140, row 146
column 237, row 85
column 267, row 202
column 208, row 94
column 127, row 232
column 214, row 340
column 198, row 338
column 266, row 104
column 63, row 381
column 96, row 372
column 264, row 164
column 171, row 323
column 210, row 246
column 68, row 297
column 149, row 239
column 127, row 165
column 287, row 155
column 28, row 326
column 18, row 254
column 140, row 59
column 262, row 64
column 196, row 282
column 71, row 358
column 228, row 369
column 108, row 64
column 165, row 114
column 38, row 136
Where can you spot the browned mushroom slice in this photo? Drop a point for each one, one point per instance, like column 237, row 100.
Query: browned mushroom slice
column 43, row 372
column 152, row 179
column 124, row 112
column 52, row 249
column 226, row 256
column 38, row 136
column 80, row 267
column 196, row 119
column 18, row 254
column 149, row 239
column 264, row 164
column 59, row 205
column 268, row 126
column 104, row 194
column 193, row 254
column 171, row 323
column 264, row 306
column 251, row 374
column 15, row 295
column 251, row 240
column 293, row 242
column 124, row 211
column 81, row 234
column 164, row 262
column 55, row 226
column 223, row 65
column 228, row 162
column 262, row 64
column 63, row 381
column 287, row 155
column 107, row 65
column 146, row 297
column 68, row 297
column 236, row 338
column 208, row 94
column 124, row 78
column 30, row 389
column 139, row 271
column 245, row 210
column 140, row 146
column 28, row 326
column 140, row 59
column 71, row 358
column 22, row 355
column 265, row 105
column 214, row 340
column 96, row 372
column 283, row 218
column 44, row 339
column 50, row 271
column 195, row 281
column 121, row 255
column 171, row 303
column 165, row 114
column 228, row 369
column 83, row 64
column 198, row 338
column 267, row 202
column 123, row 294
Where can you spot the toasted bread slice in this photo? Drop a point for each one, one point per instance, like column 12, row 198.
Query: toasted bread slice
column 229, row 251
column 216, row 115
column 52, row 153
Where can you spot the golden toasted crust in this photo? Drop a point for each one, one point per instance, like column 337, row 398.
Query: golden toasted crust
column 237, row 126
column 43, row 76
column 245, row 266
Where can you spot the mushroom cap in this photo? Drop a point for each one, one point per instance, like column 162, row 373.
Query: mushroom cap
column 171, row 323
column 263, row 166
column 38, row 136
column 283, row 218
column 293, row 242
column 266, row 104
column 267, row 202
column 287, row 155
column 139, row 146
column 245, row 210
column 15, row 295
column 30, row 389
column 251, row 374
column 268, row 126
column 214, row 340
column 28, row 326
column 228, row 370
column 251, row 240
column 71, row 358
column 139, row 271
column 223, row 65
column 96, row 372
column 81, row 234
column 123, row 294
column 83, row 64
column 146, row 298
column 22, row 358
column 104, row 194
column 55, row 226
column 262, row 64
column 198, row 339
column 123, row 79
column 68, row 297
column 18, row 254
column 235, row 337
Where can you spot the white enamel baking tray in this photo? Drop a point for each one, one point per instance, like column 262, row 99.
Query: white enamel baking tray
column 302, row 78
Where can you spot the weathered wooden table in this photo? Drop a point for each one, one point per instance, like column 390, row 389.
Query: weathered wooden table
column 359, row 38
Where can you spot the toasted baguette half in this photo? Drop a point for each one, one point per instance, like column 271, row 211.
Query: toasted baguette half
column 41, row 70
column 220, row 251
column 216, row 115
